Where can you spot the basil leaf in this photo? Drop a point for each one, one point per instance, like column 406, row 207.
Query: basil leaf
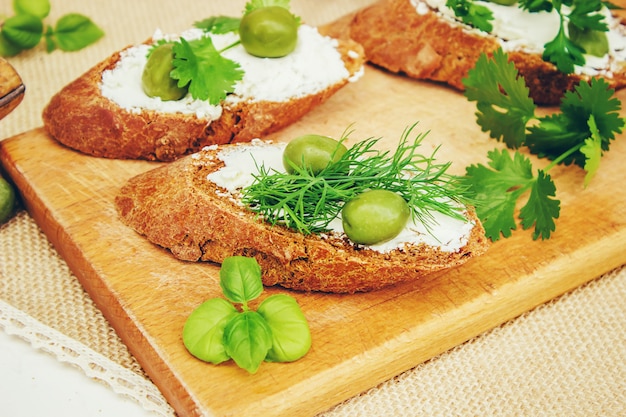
column 38, row 8
column 8, row 48
column 23, row 30
column 248, row 338
column 75, row 31
column 291, row 338
column 203, row 333
column 240, row 279
column 49, row 38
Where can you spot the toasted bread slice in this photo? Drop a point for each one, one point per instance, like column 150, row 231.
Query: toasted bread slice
column 177, row 207
column 428, row 46
column 82, row 118
column 11, row 88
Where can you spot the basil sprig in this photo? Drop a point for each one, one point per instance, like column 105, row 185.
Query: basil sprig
column 26, row 28
column 217, row 330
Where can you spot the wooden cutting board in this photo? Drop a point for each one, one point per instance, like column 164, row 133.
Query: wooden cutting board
column 358, row 340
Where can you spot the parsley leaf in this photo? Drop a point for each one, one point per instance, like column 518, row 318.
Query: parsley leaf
column 555, row 134
column 504, row 105
column 210, row 76
column 584, row 17
column 564, row 50
column 541, row 209
column 563, row 53
column 200, row 65
column 595, row 99
column 497, row 188
column 257, row 4
column 592, row 149
column 587, row 123
column 472, row 14
column 219, row 24
column 535, row 6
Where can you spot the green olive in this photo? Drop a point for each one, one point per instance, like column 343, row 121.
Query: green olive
column 156, row 80
column 7, row 200
column 374, row 216
column 314, row 152
column 269, row 32
column 593, row 42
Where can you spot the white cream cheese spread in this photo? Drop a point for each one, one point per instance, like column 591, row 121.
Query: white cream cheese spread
column 242, row 162
column 520, row 30
column 313, row 66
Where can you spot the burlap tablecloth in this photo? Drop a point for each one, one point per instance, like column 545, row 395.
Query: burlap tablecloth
column 565, row 358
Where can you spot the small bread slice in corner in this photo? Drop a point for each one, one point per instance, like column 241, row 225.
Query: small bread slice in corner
column 415, row 38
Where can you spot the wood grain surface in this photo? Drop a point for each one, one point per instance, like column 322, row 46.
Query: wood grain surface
column 358, row 340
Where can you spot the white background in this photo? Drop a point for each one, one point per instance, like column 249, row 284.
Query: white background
column 35, row 383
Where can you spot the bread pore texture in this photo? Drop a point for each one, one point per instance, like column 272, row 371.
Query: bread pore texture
column 178, row 207
column 105, row 112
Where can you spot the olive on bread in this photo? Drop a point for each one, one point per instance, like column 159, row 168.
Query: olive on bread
column 159, row 101
column 194, row 207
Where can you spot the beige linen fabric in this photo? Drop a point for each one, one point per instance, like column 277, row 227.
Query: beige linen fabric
column 565, row 358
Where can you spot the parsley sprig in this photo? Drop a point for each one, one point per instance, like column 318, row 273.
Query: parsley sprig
column 472, row 13
column 583, row 130
column 257, row 4
column 563, row 51
column 200, row 65
column 309, row 203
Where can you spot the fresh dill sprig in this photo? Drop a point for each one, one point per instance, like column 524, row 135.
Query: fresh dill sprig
column 309, row 203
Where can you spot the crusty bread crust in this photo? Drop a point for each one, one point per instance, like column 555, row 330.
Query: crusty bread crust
column 176, row 207
column 81, row 118
column 400, row 40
